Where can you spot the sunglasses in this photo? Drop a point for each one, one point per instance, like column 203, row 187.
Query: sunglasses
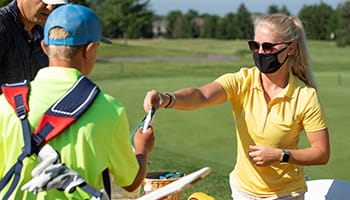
column 266, row 46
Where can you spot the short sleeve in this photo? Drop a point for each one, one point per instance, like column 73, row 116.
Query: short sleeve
column 227, row 81
column 314, row 116
column 236, row 84
column 123, row 162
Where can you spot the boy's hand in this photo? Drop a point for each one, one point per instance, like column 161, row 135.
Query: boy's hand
column 144, row 142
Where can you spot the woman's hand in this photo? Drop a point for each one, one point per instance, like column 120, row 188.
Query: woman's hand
column 264, row 155
column 155, row 99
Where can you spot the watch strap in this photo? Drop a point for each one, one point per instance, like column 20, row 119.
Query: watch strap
column 285, row 156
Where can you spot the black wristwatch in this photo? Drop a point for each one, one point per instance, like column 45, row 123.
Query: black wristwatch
column 285, row 156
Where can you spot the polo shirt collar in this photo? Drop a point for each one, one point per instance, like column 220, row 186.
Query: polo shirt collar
column 58, row 73
column 286, row 92
column 256, row 80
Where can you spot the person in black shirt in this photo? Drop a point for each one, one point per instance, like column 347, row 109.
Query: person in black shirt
column 20, row 34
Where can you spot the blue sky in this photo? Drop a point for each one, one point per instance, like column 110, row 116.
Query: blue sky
column 221, row 7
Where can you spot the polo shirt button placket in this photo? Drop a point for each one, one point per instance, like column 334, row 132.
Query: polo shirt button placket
column 264, row 117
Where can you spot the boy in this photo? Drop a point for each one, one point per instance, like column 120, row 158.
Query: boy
column 99, row 139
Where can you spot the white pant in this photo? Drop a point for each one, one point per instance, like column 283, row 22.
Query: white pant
column 238, row 194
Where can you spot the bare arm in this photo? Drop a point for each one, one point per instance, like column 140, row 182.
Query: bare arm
column 317, row 154
column 144, row 143
column 188, row 98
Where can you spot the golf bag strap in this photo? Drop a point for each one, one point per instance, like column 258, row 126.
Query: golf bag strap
column 65, row 111
column 59, row 116
column 107, row 182
column 89, row 189
column 17, row 95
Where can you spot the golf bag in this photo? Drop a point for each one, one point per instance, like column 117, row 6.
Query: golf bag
column 53, row 122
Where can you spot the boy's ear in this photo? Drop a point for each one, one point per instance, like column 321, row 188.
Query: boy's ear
column 43, row 46
column 88, row 49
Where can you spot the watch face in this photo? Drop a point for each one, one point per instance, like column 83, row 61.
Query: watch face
column 286, row 155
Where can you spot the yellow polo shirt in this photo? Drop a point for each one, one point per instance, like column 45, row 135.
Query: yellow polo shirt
column 99, row 139
column 276, row 124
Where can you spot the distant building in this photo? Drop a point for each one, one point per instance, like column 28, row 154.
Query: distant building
column 199, row 22
column 159, row 28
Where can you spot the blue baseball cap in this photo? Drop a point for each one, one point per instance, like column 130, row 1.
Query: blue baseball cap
column 81, row 23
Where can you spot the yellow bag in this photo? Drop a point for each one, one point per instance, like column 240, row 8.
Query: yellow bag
column 200, row 196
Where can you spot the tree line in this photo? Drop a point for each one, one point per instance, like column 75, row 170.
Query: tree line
column 134, row 19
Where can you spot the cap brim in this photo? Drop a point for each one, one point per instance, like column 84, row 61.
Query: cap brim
column 105, row 40
column 53, row 2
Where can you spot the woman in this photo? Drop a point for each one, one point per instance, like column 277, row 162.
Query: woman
column 272, row 104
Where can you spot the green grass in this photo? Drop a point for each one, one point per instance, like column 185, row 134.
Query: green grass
column 189, row 140
column 170, row 48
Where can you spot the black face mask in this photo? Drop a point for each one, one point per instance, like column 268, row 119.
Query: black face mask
column 268, row 63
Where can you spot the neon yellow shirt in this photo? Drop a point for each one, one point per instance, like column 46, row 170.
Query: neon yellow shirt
column 99, row 139
column 276, row 124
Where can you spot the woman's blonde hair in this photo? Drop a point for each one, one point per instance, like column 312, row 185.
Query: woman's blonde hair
column 58, row 51
column 290, row 29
